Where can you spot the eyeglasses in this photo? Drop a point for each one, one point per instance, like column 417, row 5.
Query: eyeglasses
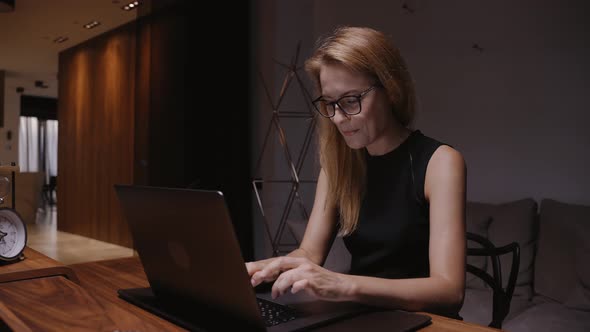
column 350, row 105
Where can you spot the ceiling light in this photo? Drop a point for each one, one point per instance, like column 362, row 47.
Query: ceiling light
column 60, row 39
column 131, row 5
column 6, row 6
column 91, row 25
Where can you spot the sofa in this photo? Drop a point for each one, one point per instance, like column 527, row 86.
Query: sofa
column 552, row 290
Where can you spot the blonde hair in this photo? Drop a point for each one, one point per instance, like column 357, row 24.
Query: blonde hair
column 369, row 52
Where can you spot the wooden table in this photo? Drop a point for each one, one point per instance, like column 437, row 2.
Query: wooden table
column 41, row 294
column 56, row 303
column 35, row 265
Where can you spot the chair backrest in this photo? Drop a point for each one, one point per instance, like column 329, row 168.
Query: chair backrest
column 502, row 295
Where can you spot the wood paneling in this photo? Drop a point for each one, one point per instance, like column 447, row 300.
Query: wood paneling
column 184, row 123
column 142, row 103
column 96, row 133
column 2, row 76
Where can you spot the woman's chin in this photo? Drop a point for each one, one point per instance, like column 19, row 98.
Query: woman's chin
column 354, row 145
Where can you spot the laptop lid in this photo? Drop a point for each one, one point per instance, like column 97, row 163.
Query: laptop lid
column 189, row 251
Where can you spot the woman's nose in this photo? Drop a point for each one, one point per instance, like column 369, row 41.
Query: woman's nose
column 339, row 115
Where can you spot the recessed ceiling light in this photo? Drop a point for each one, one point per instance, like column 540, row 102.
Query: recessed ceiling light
column 131, row 5
column 60, row 39
column 92, row 24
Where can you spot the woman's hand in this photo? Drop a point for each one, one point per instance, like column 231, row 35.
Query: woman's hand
column 254, row 267
column 298, row 274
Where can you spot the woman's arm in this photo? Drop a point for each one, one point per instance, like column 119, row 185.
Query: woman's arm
column 321, row 227
column 318, row 237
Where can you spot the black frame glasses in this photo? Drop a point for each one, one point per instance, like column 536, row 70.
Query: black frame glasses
column 350, row 104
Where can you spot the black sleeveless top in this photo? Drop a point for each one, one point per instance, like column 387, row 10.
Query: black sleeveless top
column 391, row 238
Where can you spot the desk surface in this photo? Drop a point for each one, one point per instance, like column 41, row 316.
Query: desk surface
column 128, row 273
column 97, row 291
column 34, row 266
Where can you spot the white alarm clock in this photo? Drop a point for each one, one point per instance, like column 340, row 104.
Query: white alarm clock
column 13, row 235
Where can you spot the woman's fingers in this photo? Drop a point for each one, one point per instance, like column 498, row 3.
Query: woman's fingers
column 283, row 283
column 299, row 285
column 297, row 278
column 252, row 267
column 274, row 268
column 256, row 266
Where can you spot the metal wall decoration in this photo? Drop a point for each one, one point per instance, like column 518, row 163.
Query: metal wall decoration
column 279, row 246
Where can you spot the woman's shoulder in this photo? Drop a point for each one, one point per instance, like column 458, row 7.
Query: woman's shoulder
column 428, row 149
column 447, row 155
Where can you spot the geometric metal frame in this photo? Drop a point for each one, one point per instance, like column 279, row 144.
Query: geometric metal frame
column 292, row 73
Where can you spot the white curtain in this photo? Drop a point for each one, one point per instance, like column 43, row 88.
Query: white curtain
column 51, row 147
column 28, row 147
column 34, row 137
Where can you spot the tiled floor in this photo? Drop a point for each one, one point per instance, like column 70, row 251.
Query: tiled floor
column 68, row 248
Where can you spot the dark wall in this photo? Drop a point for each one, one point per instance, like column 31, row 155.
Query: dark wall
column 517, row 109
column 197, row 107
column 44, row 108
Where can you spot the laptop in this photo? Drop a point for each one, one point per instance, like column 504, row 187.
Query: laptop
column 198, row 280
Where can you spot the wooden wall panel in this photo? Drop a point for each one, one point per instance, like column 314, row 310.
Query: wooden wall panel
column 2, row 79
column 96, row 134
column 142, row 101
column 139, row 105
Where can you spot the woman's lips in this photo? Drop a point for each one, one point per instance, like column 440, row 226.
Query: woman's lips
column 349, row 132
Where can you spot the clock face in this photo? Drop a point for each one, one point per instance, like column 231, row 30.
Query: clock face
column 13, row 234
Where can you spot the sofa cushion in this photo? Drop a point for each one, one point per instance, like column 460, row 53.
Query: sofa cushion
column 549, row 317
column 338, row 259
column 512, row 222
column 579, row 298
column 477, row 306
column 561, row 235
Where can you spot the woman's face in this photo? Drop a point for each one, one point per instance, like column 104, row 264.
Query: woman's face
column 373, row 127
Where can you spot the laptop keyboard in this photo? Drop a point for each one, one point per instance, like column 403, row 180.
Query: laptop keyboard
column 274, row 313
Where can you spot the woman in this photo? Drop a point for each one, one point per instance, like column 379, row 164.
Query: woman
column 396, row 196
